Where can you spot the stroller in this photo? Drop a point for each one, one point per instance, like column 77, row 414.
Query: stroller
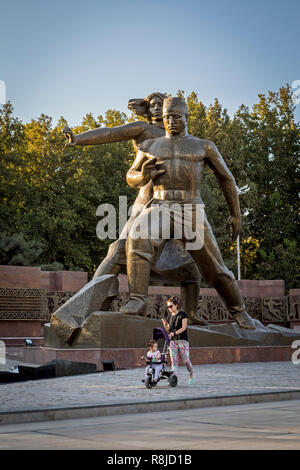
column 160, row 333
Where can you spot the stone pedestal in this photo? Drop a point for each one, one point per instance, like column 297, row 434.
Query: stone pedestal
column 107, row 330
column 122, row 338
column 67, row 321
column 131, row 357
column 119, row 330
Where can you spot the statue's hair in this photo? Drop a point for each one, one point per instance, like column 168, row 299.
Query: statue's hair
column 140, row 106
column 176, row 102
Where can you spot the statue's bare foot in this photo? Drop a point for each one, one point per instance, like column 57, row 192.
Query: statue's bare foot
column 197, row 320
column 134, row 307
column 244, row 320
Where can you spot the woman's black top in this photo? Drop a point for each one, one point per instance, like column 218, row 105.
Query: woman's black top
column 176, row 324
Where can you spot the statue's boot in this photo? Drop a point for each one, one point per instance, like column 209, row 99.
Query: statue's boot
column 138, row 272
column 135, row 306
column 228, row 290
column 244, row 320
column 196, row 319
column 189, row 300
column 108, row 267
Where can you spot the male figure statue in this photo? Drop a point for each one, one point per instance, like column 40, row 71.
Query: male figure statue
column 174, row 255
column 175, row 163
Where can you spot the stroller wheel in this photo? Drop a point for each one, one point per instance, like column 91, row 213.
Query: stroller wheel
column 148, row 381
column 172, row 380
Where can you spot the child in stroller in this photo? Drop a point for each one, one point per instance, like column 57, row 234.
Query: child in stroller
column 156, row 361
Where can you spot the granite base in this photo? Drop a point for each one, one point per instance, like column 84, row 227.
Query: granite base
column 114, row 330
column 131, row 357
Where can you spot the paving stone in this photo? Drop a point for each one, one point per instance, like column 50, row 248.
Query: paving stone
column 125, row 386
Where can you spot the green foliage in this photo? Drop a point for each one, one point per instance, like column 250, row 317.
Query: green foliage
column 271, row 152
column 49, row 193
column 17, row 251
column 56, row 266
column 13, row 186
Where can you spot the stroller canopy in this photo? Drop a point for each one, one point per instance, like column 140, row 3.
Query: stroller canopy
column 160, row 333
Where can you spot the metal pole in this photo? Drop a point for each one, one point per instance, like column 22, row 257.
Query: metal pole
column 240, row 191
column 238, row 257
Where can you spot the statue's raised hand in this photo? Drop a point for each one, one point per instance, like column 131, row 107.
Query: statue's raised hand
column 236, row 224
column 149, row 170
column 69, row 136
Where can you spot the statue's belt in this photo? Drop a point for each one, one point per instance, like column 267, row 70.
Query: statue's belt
column 177, row 195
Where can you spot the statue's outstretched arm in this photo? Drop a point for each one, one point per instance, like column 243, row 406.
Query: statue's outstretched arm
column 215, row 161
column 105, row 135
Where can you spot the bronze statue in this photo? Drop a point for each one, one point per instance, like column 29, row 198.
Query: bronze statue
column 174, row 264
column 175, row 163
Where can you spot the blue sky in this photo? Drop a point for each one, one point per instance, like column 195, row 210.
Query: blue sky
column 74, row 57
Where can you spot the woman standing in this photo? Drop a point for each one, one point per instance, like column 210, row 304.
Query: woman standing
column 179, row 344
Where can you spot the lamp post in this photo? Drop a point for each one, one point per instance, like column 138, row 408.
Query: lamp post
column 240, row 191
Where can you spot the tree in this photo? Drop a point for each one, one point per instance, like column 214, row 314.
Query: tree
column 15, row 250
column 271, row 149
column 13, row 188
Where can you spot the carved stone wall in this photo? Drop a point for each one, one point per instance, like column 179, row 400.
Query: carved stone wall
column 213, row 309
column 275, row 309
column 23, row 304
column 294, row 308
column 55, row 299
column 38, row 304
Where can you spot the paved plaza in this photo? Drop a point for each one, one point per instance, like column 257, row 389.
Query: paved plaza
column 268, row 426
column 125, row 386
column 273, row 424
